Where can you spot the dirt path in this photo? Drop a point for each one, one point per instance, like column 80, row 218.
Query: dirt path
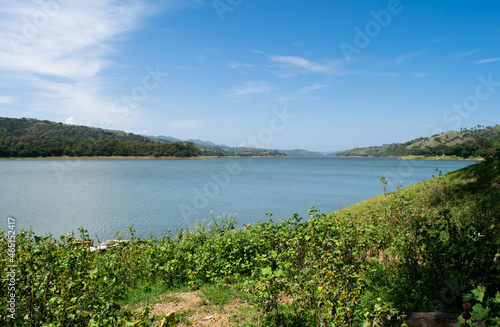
column 198, row 312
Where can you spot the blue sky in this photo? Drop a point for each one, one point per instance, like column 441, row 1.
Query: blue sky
column 319, row 75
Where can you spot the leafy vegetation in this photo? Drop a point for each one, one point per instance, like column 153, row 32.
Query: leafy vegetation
column 28, row 138
column 26, row 127
column 415, row 249
column 479, row 141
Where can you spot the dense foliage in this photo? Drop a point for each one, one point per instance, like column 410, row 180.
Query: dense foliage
column 26, row 147
column 477, row 142
column 33, row 138
column 418, row 248
column 26, row 127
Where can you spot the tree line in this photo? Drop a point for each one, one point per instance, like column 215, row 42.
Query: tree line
column 31, row 147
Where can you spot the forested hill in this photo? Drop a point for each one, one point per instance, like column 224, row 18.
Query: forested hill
column 25, row 127
column 479, row 141
column 36, row 138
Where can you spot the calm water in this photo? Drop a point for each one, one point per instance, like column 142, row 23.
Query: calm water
column 105, row 196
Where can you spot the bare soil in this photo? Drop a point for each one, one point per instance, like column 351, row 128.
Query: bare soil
column 197, row 311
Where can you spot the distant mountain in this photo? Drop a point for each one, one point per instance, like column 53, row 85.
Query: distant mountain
column 203, row 143
column 211, row 149
column 302, row 153
column 173, row 139
column 478, row 141
column 166, row 138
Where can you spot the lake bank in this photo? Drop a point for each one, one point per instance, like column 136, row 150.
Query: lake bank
column 433, row 158
column 111, row 158
column 453, row 158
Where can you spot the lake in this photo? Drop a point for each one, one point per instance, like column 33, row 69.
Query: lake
column 104, row 196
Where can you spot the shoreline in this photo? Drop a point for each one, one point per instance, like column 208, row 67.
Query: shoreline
column 437, row 158
column 434, row 158
column 109, row 158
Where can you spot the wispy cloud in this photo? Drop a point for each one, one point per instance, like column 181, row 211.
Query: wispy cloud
column 62, row 54
column 487, row 60
column 184, row 124
column 235, row 65
column 421, row 74
column 410, row 55
column 7, row 99
column 162, row 30
column 459, row 55
column 313, row 87
column 306, row 65
column 284, row 99
column 438, row 40
column 249, row 88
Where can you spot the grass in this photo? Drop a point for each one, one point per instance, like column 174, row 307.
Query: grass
column 221, row 295
column 151, row 293
column 213, row 300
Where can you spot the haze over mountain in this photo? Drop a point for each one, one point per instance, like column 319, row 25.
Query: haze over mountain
column 289, row 153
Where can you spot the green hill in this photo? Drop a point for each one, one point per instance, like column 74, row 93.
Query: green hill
column 35, row 138
column 26, row 127
column 475, row 142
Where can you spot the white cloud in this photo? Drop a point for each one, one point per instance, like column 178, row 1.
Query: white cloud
column 309, row 88
column 70, row 121
column 59, row 49
column 7, row 99
column 184, row 124
column 306, row 65
column 162, row 30
column 284, row 99
column 487, row 60
column 235, row 65
column 249, row 88
column 438, row 40
column 421, row 74
column 465, row 54
column 409, row 55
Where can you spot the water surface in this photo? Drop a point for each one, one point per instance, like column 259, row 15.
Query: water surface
column 104, row 196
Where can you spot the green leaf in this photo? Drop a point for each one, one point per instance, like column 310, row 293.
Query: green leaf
column 497, row 298
column 478, row 312
column 279, row 273
column 266, row 271
column 479, row 293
